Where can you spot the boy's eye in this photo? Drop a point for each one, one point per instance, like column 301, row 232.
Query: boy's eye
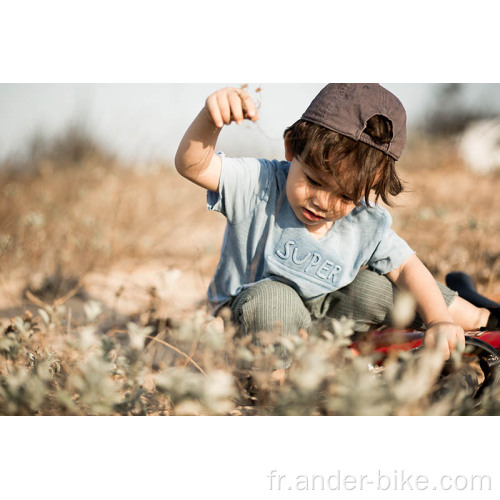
column 312, row 182
column 346, row 199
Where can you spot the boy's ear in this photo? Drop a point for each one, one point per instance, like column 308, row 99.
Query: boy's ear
column 288, row 149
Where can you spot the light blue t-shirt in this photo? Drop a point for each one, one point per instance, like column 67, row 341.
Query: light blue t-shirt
column 265, row 240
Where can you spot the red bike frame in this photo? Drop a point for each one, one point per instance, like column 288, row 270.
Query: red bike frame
column 388, row 340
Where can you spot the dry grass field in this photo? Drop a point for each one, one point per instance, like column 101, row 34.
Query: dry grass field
column 95, row 250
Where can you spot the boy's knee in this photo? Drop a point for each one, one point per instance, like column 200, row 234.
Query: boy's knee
column 271, row 306
column 371, row 284
column 368, row 300
column 372, row 292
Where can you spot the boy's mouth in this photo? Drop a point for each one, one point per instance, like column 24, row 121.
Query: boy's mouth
column 311, row 215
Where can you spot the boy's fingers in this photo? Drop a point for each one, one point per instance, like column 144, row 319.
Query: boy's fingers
column 213, row 108
column 446, row 353
column 452, row 343
column 231, row 104
column 236, row 107
column 248, row 105
column 456, row 341
column 448, row 349
column 448, row 337
column 461, row 343
column 224, row 108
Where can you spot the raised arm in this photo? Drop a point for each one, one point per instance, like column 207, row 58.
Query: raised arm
column 195, row 159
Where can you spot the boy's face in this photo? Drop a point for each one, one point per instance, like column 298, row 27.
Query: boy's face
column 315, row 197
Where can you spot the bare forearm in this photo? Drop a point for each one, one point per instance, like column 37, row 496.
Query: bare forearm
column 441, row 331
column 414, row 277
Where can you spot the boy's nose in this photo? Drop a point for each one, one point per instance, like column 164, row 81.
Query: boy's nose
column 321, row 201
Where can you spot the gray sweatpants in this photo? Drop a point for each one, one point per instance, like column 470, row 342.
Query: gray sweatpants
column 274, row 306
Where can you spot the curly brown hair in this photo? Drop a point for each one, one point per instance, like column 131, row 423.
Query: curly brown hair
column 357, row 167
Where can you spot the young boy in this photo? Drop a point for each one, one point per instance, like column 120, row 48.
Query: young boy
column 303, row 240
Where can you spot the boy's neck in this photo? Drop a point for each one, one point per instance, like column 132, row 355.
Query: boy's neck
column 319, row 232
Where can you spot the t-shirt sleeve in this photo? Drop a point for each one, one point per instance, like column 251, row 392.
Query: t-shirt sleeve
column 391, row 250
column 243, row 183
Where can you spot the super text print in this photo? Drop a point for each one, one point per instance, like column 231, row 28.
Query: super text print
column 311, row 263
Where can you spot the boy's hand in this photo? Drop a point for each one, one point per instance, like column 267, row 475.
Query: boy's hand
column 230, row 104
column 446, row 336
column 195, row 159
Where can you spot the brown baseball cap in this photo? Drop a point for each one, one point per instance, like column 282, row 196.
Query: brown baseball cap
column 346, row 108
